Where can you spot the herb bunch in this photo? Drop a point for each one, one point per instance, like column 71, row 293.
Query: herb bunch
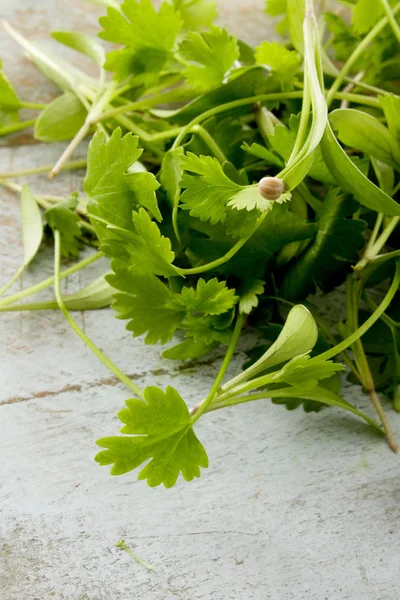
column 227, row 184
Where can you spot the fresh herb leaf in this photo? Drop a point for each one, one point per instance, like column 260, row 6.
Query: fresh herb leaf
column 160, row 429
column 196, row 14
column 64, row 219
column 284, row 63
column 336, row 245
column 208, row 57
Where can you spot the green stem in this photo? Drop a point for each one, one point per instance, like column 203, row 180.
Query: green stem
column 197, row 411
column 69, row 166
column 358, row 52
column 33, row 105
column 223, row 259
column 270, row 394
column 391, row 18
column 96, row 351
column 17, row 127
column 12, row 280
column 121, row 544
column 211, row 143
column 367, row 256
column 46, row 283
column 349, row 341
column 91, row 119
column 385, row 235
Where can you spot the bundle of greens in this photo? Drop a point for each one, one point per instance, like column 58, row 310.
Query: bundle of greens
column 228, row 184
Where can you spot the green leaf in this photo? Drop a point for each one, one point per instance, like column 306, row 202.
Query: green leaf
column 97, row 294
column 81, row 43
column 296, row 15
column 148, row 305
column 298, row 336
column 208, row 329
column 196, row 14
column 284, row 63
column 298, row 371
column 264, row 154
column 160, row 429
column 351, row 179
column 154, row 309
column 63, row 218
column 171, row 173
column 61, row 119
column 188, row 349
column 208, row 193
column 9, row 100
column 32, row 227
column 334, row 248
column 364, row 132
column 391, row 108
column 275, row 8
column 248, row 295
column 148, row 35
column 344, row 41
column 208, row 57
column 145, row 250
column 114, row 190
column 366, row 13
column 211, row 297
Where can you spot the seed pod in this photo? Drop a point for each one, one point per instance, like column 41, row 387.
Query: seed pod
column 271, row 188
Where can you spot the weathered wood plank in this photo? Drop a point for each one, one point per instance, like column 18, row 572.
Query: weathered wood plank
column 293, row 506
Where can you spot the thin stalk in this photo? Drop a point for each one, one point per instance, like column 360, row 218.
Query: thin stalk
column 270, row 394
column 95, row 110
column 211, row 143
column 96, row 351
column 197, row 411
column 69, row 166
column 121, row 544
column 46, row 283
column 366, row 257
column 17, row 127
column 32, row 105
column 358, row 52
column 385, row 235
column 223, row 259
column 12, row 280
column 349, row 341
column 391, row 18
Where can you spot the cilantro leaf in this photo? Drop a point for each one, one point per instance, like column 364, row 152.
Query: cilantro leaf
column 275, row 8
column 148, row 305
column 196, row 14
column 248, row 295
column 8, row 96
column 64, row 219
column 160, row 429
column 148, row 37
column 114, row 191
column 283, row 62
column 208, row 57
column 206, row 329
column 145, row 250
column 152, row 308
column 298, row 371
column 344, row 39
column 365, row 15
column 208, row 193
column 336, row 245
column 9, row 101
column 211, row 297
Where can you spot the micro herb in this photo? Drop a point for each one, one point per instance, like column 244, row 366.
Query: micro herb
column 276, row 178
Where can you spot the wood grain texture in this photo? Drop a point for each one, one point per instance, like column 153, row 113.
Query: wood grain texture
column 293, row 506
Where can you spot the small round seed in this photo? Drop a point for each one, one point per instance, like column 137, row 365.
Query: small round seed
column 271, row 188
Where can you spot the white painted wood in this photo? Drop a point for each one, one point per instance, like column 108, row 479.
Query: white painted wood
column 293, row 506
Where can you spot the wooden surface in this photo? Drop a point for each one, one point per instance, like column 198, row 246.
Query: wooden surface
column 293, row 506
